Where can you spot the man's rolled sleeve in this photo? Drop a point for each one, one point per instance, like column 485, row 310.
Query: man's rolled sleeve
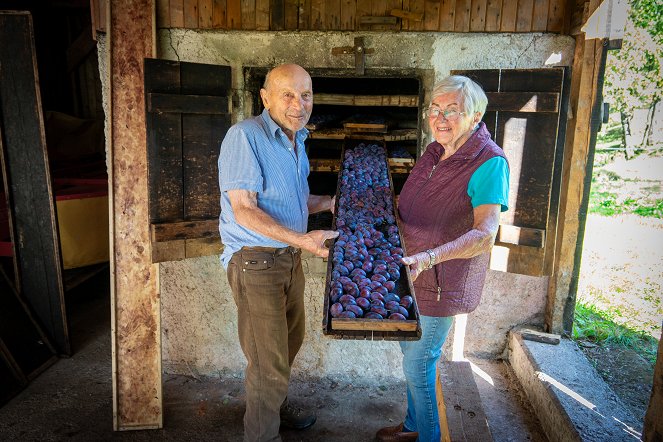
column 238, row 164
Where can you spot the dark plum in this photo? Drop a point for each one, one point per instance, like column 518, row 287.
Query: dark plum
column 364, row 303
column 395, row 317
column 342, row 270
column 356, row 272
column 392, row 306
column 403, row 311
column 373, row 315
column 335, row 309
column 390, row 285
column 378, row 278
column 382, row 290
column 380, row 311
column 346, row 314
column 377, row 296
column 406, row 301
column 365, row 292
column 375, row 284
column 347, row 300
column 392, row 297
column 355, row 309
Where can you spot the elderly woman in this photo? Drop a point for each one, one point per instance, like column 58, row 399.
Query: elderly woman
column 449, row 207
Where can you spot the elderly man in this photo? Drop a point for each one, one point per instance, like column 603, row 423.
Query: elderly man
column 265, row 203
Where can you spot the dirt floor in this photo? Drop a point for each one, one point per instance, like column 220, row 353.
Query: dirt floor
column 72, row 399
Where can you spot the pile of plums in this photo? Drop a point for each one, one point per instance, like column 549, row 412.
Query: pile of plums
column 366, row 258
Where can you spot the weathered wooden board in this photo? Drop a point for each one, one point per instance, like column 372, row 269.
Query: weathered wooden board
column 374, row 15
column 205, row 11
column 463, row 15
column 524, row 17
column 164, row 144
column 176, row 13
column 219, row 14
column 23, row 344
column 135, row 325
column 234, row 14
column 521, row 236
column 478, row 16
column 523, row 101
column 249, row 15
column 524, row 107
column 529, row 144
column 191, row 14
column 184, row 230
column 540, row 16
column 466, row 418
column 509, row 15
column 367, row 100
column 204, row 104
column 189, row 116
column 653, row 426
column 493, row 15
column 28, row 177
column 431, row 15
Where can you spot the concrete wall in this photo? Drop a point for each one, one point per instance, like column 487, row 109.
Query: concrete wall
column 198, row 315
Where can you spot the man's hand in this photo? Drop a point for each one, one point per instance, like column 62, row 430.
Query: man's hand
column 314, row 242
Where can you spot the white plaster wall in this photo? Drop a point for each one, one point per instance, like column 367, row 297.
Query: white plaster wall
column 198, row 317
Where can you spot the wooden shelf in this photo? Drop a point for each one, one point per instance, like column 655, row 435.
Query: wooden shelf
column 367, row 100
column 341, row 134
column 396, row 165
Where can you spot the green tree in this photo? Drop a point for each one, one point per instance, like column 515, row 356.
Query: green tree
column 634, row 79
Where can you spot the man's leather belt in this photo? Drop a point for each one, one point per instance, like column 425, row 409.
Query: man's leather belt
column 273, row 250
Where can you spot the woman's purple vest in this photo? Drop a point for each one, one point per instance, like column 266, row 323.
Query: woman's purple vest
column 434, row 209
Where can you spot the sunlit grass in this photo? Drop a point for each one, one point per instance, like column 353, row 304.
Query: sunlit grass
column 599, row 327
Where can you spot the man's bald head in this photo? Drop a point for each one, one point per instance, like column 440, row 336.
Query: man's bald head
column 288, row 97
column 285, row 70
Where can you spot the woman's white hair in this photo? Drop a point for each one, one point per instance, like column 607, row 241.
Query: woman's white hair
column 474, row 98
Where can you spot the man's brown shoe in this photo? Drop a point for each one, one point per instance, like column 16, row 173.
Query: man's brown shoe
column 396, row 434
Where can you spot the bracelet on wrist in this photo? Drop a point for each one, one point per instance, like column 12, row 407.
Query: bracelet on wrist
column 431, row 259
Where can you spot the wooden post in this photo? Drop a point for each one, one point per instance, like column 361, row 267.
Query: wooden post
column 653, row 423
column 136, row 329
column 561, row 293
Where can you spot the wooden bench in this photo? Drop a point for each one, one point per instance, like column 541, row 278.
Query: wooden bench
column 461, row 414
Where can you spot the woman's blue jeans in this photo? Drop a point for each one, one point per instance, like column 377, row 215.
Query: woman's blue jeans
column 419, row 365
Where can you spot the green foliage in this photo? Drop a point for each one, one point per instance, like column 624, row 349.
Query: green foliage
column 633, row 75
column 599, row 327
column 606, row 204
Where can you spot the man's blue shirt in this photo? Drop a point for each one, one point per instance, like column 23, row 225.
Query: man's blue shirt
column 256, row 155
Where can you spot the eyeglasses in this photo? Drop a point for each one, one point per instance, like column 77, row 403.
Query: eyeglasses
column 448, row 114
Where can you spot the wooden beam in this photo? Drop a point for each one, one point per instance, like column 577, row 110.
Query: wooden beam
column 584, row 81
column 523, row 101
column 367, row 100
column 202, row 104
column 135, row 323
column 465, row 418
column 28, row 180
column 522, row 236
column 653, row 430
column 185, row 229
column 407, row 15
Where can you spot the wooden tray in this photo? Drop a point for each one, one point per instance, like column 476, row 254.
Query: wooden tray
column 371, row 329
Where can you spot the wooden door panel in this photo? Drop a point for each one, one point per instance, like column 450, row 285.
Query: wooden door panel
column 188, row 114
column 525, row 107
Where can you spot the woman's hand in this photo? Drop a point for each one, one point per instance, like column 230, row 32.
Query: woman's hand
column 417, row 263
